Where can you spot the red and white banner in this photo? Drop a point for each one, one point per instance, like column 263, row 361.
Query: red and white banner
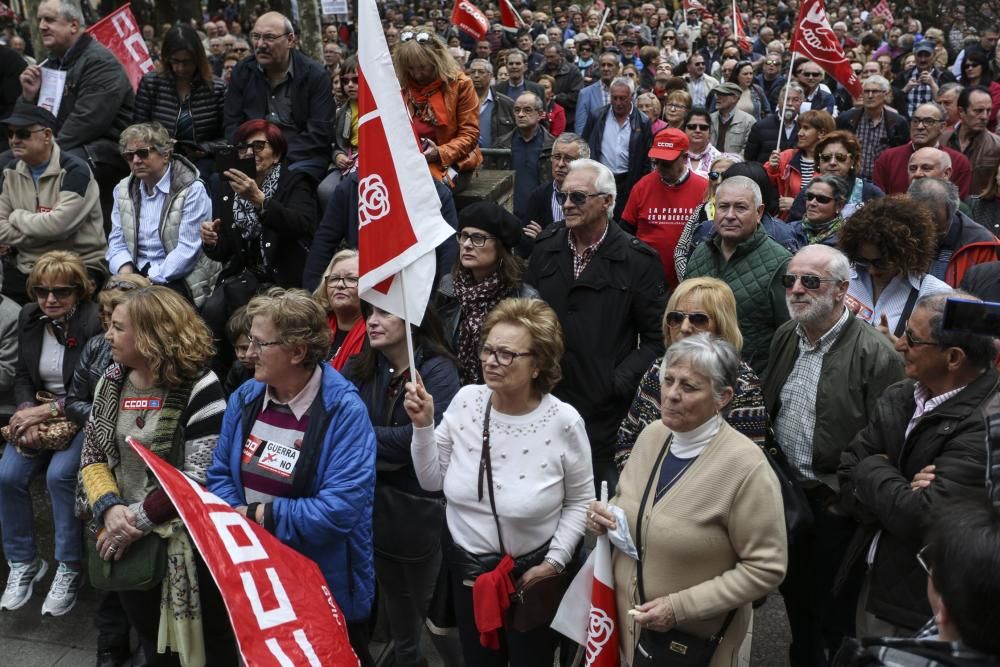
column 693, row 5
column 815, row 39
column 882, row 9
column 588, row 611
column 119, row 33
column 509, row 17
column 740, row 31
column 278, row 602
column 399, row 211
column 467, row 18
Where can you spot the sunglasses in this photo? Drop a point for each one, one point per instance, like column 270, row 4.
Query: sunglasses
column 577, row 198
column 839, row 157
column 143, row 153
column 968, row 65
column 811, row 75
column 877, row 264
column 808, row 281
column 771, row 62
column 822, row 199
column 255, row 146
column 714, row 175
column 120, row 285
column 675, row 318
column 58, row 292
column 22, row 133
column 421, row 37
column 697, row 126
column 347, row 80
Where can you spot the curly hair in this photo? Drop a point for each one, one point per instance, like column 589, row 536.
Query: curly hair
column 169, row 334
column 299, row 320
column 903, row 232
column 542, row 324
column 846, row 139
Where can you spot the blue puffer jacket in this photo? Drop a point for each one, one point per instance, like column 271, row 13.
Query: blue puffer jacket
column 328, row 515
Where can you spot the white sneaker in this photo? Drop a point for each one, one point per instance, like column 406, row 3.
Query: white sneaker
column 62, row 593
column 21, row 582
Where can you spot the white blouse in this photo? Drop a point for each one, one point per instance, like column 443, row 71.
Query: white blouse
column 542, row 474
column 50, row 364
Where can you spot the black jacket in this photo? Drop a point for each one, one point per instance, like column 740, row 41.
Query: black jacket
column 569, row 82
column 11, row 66
column 288, row 222
column 875, row 474
column 84, row 324
column 449, row 309
column 502, row 118
column 896, row 126
column 339, row 229
column 638, row 143
column 94, row 361
column 764, row 136
column 610, row 317
column 529, row 86
column 983, row 280
column 157, row 100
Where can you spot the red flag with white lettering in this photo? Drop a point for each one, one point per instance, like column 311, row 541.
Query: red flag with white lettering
column 882, row 9
column 509, row 17
column 399, row 211
column 815, row 39
column 278, row 602
column 120, row 35
column 467, row 18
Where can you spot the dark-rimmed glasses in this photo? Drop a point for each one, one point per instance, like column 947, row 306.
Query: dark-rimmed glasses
column 815, row 196
column 675, row 318
column 348, row 80
column 577, row 198
column 808, row 280
column 60, row 292
column 255, row 146
column 476, row 239
column 697, row 126
column 143, row 153
column 503, row 356
column 926, row 122
column 878, row 264
column 913, row 341
column 22, row 133
column 346, row 281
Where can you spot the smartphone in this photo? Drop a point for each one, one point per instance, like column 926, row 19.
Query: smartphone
column 228, row 157
column 981, row 317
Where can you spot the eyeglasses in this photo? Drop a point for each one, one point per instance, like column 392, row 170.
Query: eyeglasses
column 912, row 341
column 477, row 240
column 877, row 264
column 61, row 292
column 421, row 37
column 927, row 122
column 22, row 133
column 143, row 153
column 259, row 345
column 922, row 559
column 676, row 107
column 808, row 281
column 120, row 285
column 347, row 281
column 675, row 318
column 877, row 91
column 267, row 38
column 348, row 80
column 255, row 146
column 504, row 357
column 815, row 196
column 526, row 110
column 772, row 62
column 811, row 75
column 240, row 49
column 666, row 37
column 698, row 64
column 577, row 198
column 697, row 127
column 839, row 157
column 968, row 65
column 565, row 159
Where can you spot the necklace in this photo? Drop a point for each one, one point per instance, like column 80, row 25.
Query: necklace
column 144, row 405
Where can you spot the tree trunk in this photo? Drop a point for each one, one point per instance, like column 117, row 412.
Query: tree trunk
column 31, row 18
column 310, row 30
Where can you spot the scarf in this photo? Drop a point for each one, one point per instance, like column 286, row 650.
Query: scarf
column 476, row 301
column 246, row 217
column 819, row 232
column 427, row 103
column 352, row 343
column 60, row 327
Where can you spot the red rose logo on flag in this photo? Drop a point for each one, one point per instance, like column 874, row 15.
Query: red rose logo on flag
column 602, row 629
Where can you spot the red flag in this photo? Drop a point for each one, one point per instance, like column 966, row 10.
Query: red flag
column 816, row 40
column 882, row 9
column 588, row 611
column 740, row 31
column 693, row 5
column 278, row 602
column 509, row 17
column 467, row 18
column 399, row 211
column 120, row 35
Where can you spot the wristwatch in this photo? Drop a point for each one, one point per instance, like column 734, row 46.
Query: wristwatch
column 555, row 564
column 53, row 408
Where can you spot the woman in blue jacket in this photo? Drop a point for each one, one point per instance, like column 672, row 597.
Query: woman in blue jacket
column 297, row 452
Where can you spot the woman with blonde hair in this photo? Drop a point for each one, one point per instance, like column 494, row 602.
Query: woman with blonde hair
column 675, row 108
column 159, row 392
column 443, row 106
column 337, row 293
column 698, row 305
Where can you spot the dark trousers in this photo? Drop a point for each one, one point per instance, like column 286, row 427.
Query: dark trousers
column 143, row 611
column 523, row 649
column 111, row 623
column 359, row 635
column 623, row 184
column 819, row 620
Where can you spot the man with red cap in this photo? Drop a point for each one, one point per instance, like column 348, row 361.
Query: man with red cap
column 663, row 200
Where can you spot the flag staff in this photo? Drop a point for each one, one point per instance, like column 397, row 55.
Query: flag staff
column 784, row 102
column 406, row 325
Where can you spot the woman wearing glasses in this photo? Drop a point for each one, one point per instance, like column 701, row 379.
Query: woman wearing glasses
column 346, row 124
column 976, row 72
column 443, row 106
column 301, row 414
column 51, row 335
column 525, row 518
column 698, row 305
column 891, row 243
column 675, row 108
column 486, row 272
column 338, row 295
column 838, row 153
column 825, row 199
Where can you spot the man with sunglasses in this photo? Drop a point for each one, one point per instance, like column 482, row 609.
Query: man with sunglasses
column 48, row 201
column 923, row 447
column 821, row 351
column 817, row 96
column 877, row 125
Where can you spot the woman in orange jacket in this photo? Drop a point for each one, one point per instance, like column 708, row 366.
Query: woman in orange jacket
column 791, row 170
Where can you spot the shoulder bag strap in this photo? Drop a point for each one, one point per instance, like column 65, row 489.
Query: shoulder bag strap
column 486, row 470
column 911, row 300
column 642, row 511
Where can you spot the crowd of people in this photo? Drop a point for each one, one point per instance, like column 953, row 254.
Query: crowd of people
column 717, row 287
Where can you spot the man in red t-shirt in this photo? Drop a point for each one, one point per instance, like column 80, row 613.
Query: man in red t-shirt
column 663, row 200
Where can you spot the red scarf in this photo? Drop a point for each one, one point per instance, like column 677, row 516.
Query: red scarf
column 490, row 600
column 352, row 343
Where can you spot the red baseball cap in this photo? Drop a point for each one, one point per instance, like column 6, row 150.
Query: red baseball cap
column 669, row 144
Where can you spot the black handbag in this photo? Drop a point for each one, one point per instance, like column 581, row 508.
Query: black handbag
column 798, row 513
column 673, row 648
column 406, row 528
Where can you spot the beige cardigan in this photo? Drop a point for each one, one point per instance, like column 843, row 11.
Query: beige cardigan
column 715, row 542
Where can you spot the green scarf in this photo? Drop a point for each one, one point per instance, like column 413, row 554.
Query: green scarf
column 819, row 232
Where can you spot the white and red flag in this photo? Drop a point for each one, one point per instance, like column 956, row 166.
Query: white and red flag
column 509, row 17
column 815, row 39
column 399, row 211
column 120, row 34
column 467, row 18
column 693, row 5
column 882, row 9
column 740, row 31
column 279, row 605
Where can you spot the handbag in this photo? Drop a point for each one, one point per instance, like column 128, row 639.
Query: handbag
column 57, row 436
column 534, row 604
column 673, row 648
column 798, row 513
column 406, row 528
column 140, row 569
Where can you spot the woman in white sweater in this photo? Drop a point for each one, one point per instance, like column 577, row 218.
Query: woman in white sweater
column 535, row 468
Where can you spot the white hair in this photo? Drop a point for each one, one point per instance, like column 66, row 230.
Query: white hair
column 623, row 81
column 747, row 184
column 604, row 180
column 879, row 81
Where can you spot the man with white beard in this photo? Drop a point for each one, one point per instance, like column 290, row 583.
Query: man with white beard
column 825, row 371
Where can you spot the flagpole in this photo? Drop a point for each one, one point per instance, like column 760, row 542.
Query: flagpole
column 736, row 27
column 406, row 325
column 604, row 19
column 784, row 103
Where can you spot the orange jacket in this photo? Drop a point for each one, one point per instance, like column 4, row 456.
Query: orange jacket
column 787, row 179
column 457, row 135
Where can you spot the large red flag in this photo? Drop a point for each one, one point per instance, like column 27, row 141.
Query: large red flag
column 467, row 18
column 740, row 31
column 399, row 211
column 882, row 9
column 278, row 602
column 816, row 40
column 120, row 35
column 509, row 18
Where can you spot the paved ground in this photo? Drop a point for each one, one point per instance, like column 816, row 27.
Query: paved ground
column 29, row 640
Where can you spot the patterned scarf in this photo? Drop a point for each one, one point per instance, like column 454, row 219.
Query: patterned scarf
column 246, row 217
column 820, row 232
column 476, row 301
column 60, row 327
column 427, row 103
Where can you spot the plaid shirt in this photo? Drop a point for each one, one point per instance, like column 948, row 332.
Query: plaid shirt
column 582, row 259
column 920, row 93
column 874, row 139
column 796, row 421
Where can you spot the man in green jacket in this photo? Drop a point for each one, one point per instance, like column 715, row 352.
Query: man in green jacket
column 827, row 369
